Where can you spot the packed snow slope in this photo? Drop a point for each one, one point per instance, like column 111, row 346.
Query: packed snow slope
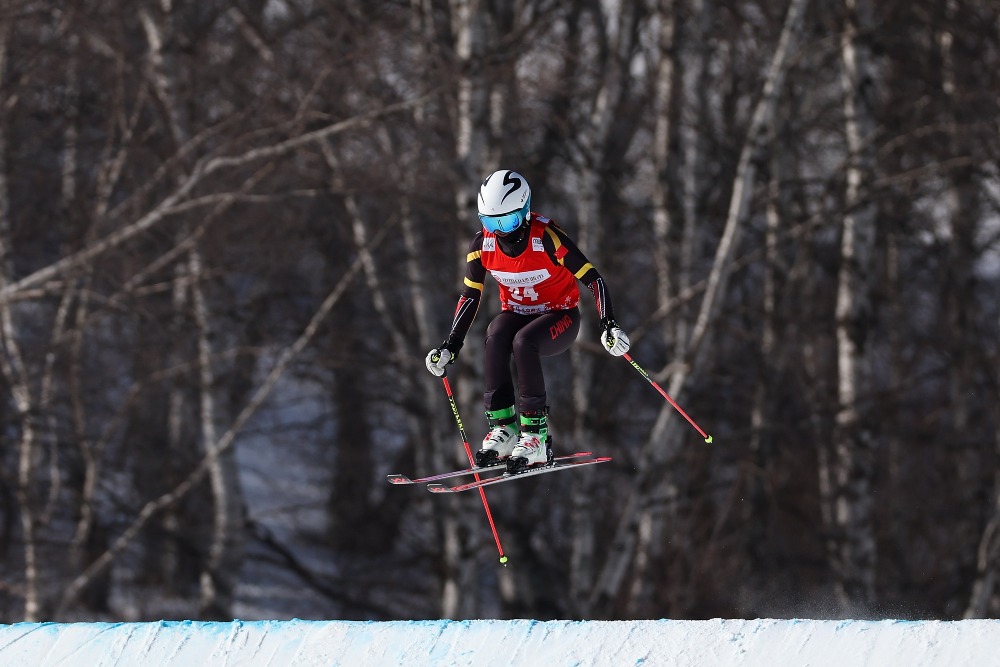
column 715, row 643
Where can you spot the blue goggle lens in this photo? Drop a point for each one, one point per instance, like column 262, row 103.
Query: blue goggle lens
column 506, row 223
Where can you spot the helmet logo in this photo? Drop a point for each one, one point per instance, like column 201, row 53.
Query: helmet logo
column 513, row 181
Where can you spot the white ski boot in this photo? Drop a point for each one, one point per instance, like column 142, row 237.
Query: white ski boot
column 533, row 447
column 500, row 441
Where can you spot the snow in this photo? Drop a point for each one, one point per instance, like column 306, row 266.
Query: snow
column 488, row 643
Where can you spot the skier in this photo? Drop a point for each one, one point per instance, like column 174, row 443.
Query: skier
column 536, row 266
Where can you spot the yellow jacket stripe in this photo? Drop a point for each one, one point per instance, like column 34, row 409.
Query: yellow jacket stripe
column 556, row 242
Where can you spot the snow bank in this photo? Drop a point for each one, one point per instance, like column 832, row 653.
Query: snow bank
column 767, row 643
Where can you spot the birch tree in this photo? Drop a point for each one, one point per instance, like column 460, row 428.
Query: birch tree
column 15, row 374
column 984, row 599
column 854, row 558
column 222, row 566
column 471, row 39
column 963, row 227
column 619, row 29
column 662, row 445
column 238, row 229
column 650, row 540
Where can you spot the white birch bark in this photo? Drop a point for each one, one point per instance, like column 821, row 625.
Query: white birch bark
column 964, row 215
column 662, row 443
column 583, row 540
column 473, row 118
column 17, row 378
column 662, row 102
column 757, row 485
column 655, row 517
column 109, row 169
column 220, row 574
column 220, row 570
column 163, row 84
column 620, row 36
column 853, row 462
column 68, row 191
column 693, row 109
column 663, row 511
column 476, row 115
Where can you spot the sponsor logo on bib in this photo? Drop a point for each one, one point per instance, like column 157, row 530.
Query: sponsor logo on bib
column 521, row 309
column 522, row 279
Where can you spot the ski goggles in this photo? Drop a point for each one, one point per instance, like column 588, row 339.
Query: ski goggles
column 506, row 223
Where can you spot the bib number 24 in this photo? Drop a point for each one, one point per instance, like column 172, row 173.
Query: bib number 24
column 523, row 293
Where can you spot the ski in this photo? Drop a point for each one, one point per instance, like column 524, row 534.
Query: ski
column 403, row 479
column 531, row 472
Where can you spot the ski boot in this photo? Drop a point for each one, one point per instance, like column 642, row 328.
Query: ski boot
column 500, row 441
column 534, row 447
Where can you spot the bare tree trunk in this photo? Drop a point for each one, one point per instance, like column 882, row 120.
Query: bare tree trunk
column 179, row 423
column 663, row 101
column 475, row 118
column 620, row 35
column 15, row 374
column 583, row 547
column 13, row 370
column 984, row 599
column 962, row 205
column 89, row 535
column 583, row 539
column 652, row 486
column 220, row 574
column 163, row 76
column 854, row 560
column 758, row 484
column 693, row 110
column 655, row 518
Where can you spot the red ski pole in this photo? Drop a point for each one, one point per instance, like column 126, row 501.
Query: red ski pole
column 472, row 462
column 650, row 380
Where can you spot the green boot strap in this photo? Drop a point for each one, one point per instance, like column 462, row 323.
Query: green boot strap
column 534, row 422
column 501, row 417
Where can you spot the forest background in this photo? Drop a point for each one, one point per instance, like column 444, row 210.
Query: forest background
column 231, row 230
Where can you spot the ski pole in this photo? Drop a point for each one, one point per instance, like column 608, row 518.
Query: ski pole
column 650, row 380
column 472, row 462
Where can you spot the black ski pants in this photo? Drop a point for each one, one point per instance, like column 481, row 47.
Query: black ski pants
column 527, row 338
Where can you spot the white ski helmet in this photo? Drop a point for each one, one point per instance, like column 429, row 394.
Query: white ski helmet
column 504, row 201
